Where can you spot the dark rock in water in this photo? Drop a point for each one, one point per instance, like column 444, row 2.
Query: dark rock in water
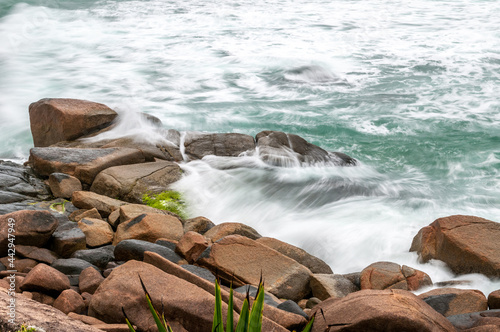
column 312, row 74
column 134, row 249
column 18, row 184
column 99, row 257
column 129, row 182
column 252, row 291
column 200, row 272
column 292, row 307
column 84, row 164
column 55, row 120
column 199, row 145
column 470, row 320
column 72, row 266
column 31, row 228
column 282, row 149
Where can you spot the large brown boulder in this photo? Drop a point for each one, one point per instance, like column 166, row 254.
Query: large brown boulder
column 242, row 260
column 63, row 185
column 454, row 301
column 69, row 301
column 283, row 149
column 97, row 232
column 388, row 275
column 54, row 120
column 467, row 244
column 83, row 164
column 379, row 310
column 184, row 303
column 198, row 145
column 30, row 312
column 46, row 279
column 191, row 246
column 313, row 263
column 32, row 228
column 149, row 227
column 130, row 183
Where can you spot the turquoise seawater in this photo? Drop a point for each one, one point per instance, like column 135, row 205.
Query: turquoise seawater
column 410, row 89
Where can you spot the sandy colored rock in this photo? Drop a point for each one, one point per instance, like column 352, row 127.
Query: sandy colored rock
column 89, row 280
column 69, row 301
column 231, row 228
column 43, row 278
column 89, row 200
column 56, row 119
column 92, row 213
column 149, row 227
column 467, row 244
column 191, row 246
column 63, row 185
column 379, row 310
column 97, row 232
column 130, row 183
column 383, row 275
column 199, row 224
column 130, row 211
column 33, row 228
column 454, row 301
column 313, row 263
column 242, row 260
column 325, row 286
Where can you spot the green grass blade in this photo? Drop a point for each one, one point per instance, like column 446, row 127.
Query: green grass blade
column 244, row 315
column 159, row 324
column 218, row 325
column 309, row 325
column 229, row 321
column 130, row 327
column 255, row 322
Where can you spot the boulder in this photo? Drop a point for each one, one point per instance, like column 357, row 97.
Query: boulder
column 54, row 119
column 69, row 301
column 130, row 183
column 288, row 320
column 379, row 310
column 43, row 316
column 198, row 271
column 85, row 319
column 199, row 224
column 324, row 286
column 82, row 213
column 191, row 246
column 46, row 279
column 487, row 321
column 231, row 228
column 149, row 227
column 291, row 306
column 89, row 280
column 313, row 263
column 130, row 211
column 134, row 249
column 269, row 298
column 67, row 239
column 454, row 301
column 198, row 145
column 89, row 200
column 39, row 254
column 467, row 244
column 32, row 228
column 494, row 300
column 97, row 232
column 72, row 266
column 283, row 149
column 83, row 164
column 242, row 260
column 99, row 257
column 387, row 275
column 178, row 297
column 63, row 185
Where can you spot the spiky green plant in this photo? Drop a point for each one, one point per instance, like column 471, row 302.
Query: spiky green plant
column 167, row 200
column 250, row 319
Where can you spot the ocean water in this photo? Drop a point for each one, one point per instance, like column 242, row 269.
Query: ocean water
column 410, row 89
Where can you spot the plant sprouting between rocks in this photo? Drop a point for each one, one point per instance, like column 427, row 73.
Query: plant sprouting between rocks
column 167, row 200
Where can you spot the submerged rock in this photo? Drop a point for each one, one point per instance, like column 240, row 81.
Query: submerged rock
column 54, row 120
column 283, row 149
column 467, row 244
column 199, row 145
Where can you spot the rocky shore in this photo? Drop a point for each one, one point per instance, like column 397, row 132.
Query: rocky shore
column 83, row 237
